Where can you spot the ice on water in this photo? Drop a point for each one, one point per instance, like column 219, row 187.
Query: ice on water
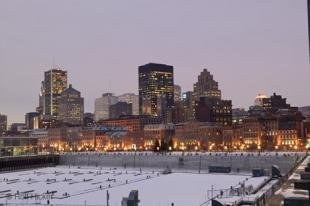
column 80, row 185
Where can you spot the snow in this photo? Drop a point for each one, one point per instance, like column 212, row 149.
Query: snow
column 290, row 191
column 83, row 185
column 295, row 193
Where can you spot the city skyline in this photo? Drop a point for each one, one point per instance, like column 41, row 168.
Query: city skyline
column 95, row 70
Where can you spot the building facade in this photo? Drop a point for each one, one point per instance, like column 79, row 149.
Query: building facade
column 238, row 115
column 55, row 82
column 207, row 103
column 179, row 112
column 161, row 134
column 195, row 135
column 274, row 103
column 188, row 103
column 71, row 107
column 177, row 93
column 134, row 127
column 306, row 133
column 102, row 106
column 214, row 110
column 290, row 129
column 206, row 86
column 156, row 89
column 260, row 132
column 62, row 138
column 3, row 124
column 133, row 99
column 120, row 109
column 18, row 128
column 32, row 120
column 132, row 123
column 48, row 121
column 88, row 120
column 18, row 145
column 40, row 108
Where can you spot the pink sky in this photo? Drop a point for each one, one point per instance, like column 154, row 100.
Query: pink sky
column 250, row 46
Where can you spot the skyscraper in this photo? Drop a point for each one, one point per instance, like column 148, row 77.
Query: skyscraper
column 206, row 86
column 208, row 103
column 102, row 106
column 187, row 100
column 71, row 107
column 156, row 89
column 177, row 93
column 131, row 98
column 55, row 82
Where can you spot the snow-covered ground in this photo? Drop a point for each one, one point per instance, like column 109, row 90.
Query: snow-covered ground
column 77, row 186
column 290, row 191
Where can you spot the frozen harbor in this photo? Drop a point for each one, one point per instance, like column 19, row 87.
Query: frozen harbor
column 89, row 185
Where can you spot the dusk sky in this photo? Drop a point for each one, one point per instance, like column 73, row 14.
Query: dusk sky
column 251, row 46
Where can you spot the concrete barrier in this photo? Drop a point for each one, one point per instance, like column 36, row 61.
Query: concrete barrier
column 200, row 162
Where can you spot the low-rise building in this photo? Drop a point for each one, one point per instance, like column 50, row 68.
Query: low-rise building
column 306, row 133
column 42, row 136
column 195, row 135
column 158, row 133
column 260, row 132
column 18, row 145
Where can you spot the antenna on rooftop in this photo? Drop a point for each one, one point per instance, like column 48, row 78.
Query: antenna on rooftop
column 109, row 86
column 53, row 64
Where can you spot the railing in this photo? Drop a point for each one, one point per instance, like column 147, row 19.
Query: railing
column 268, row 193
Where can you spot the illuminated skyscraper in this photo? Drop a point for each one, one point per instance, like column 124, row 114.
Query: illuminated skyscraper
column 71, row 107
column 156, row 89
column 55, row 82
